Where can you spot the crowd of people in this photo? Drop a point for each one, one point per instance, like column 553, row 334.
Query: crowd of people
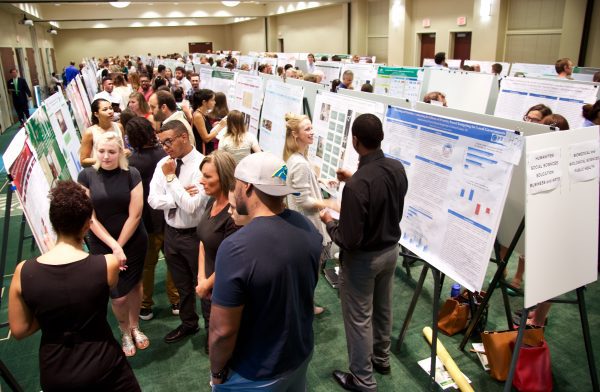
column 167, row 167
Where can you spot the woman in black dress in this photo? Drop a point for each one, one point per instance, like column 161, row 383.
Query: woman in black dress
column 64, row 292
column 118, row 198
column 215, row 225
column 203, row 103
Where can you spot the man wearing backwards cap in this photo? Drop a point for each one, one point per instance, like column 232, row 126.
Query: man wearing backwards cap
column 261, row 332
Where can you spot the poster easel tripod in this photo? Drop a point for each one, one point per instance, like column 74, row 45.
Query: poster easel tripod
column 499, row 281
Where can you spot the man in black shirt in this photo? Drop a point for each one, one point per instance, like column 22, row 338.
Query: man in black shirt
column 367, row 234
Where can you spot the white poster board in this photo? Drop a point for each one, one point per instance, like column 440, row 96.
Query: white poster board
column 452, row 63
column 486, row 66
column 458, row 174
column 331, row 70
column 362, row 73
column 224, row 82
column 561, row 241
column 564, row 97
column 472, row 91
column 533, row 70
column 248, row 99
column 205, row 76
column 280, row 98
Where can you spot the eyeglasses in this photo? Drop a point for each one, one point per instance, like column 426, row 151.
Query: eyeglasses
column 169, row 141
column 526, row 118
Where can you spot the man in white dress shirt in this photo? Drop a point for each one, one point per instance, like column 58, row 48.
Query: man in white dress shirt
column 111, row 96
column 174, row 174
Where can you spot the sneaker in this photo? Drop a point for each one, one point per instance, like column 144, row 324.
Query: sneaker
column 175, row 309
column 146, row 314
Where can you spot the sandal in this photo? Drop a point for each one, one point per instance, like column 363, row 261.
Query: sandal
column 141, row 340
column 127, row 344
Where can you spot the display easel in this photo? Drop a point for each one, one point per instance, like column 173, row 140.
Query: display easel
column 438, row 282
column 6, row 375
column 498, row 280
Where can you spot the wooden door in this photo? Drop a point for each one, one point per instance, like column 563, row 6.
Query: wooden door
column 462, row 46
column 8, row 61
column 427, row 47
column 33, row 74
column 199, row 47
column 46, row 74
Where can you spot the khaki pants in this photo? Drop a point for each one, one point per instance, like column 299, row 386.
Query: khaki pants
column 155, row 243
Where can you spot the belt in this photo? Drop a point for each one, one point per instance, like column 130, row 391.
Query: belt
column 182, row 231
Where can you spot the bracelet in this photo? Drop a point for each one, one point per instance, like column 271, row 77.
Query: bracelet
column 221, row 374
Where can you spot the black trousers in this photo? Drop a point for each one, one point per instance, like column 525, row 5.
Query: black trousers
column 22, row 111
column 181, row 253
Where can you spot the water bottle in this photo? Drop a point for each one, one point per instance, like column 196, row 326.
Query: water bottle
column 455, row 291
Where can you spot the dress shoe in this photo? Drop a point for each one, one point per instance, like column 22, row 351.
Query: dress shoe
column 346, row 380
column 382, row 369
column 179, row 333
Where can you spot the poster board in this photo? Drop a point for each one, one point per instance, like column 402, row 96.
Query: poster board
column 362, row 73
column 75, row 97
column 562, row 222
column 399, row 82
column 473, row 91
column 280, row 98
column 310, row 93
column 205, row 76
column 223, row 81
column 486, row 66
column 452, row 63
column 331, row 70
column 29, row 179
column 248, row 99
column 564, row 97
column 332, row 121
column 532, row 70
column 459, row 173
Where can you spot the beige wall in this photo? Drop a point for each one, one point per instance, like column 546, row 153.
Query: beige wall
column 76, row 44
column 248, row 36
column 321, row 30
column 443, row 16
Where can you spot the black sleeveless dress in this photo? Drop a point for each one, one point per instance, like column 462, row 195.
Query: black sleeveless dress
column 78, row 351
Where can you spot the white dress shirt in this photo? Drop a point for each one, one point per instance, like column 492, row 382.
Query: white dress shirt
column 165, row 195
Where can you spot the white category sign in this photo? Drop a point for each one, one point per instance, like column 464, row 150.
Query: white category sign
column 333, row 118
column 248, row 99
column 583, row 161
column 458, row 175
column 330, row 69
column 566, row 98
column 280, row 98
column 543, row 170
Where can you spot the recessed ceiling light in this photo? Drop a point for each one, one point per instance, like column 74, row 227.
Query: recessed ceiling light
column 119, row 4
column 230, row 3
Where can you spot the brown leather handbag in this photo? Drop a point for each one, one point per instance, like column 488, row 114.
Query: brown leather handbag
column 499, row 352
column 453, row 317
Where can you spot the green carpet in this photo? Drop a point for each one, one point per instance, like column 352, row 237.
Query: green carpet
column 184, row 366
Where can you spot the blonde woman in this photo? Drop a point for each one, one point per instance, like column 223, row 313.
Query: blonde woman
column 308, row 201
column 237, row 140
column 118, row 198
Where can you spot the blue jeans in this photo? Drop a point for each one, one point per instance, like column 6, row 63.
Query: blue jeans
column 294, row 381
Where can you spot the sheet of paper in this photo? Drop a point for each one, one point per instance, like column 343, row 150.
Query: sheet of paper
column 583, row 161
column 543, row 170
column 442, row 377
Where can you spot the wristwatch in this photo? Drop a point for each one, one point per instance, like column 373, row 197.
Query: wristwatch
column 221, row 374
column 170, row 177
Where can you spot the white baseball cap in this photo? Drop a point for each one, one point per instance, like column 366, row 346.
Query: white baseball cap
column 266, row 172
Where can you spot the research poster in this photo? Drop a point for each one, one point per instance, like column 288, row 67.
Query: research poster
column 399, row 82
column 566, row 98
column 223, row 82
column 205, row 76
column 80, row 114
column 248, row 99
column 331, row 70
column 31, row 185
column 49, row 154
column 85, row 98
column 458, row 175
column 280, row 98
column 89, row 79
column 332, row 121
column 362, row 73
column 67, row 138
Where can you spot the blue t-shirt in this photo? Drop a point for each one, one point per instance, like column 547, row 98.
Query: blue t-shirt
column 270, row 266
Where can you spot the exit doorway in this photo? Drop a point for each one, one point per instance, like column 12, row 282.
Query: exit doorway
column 462, row 46
column 427, row 47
